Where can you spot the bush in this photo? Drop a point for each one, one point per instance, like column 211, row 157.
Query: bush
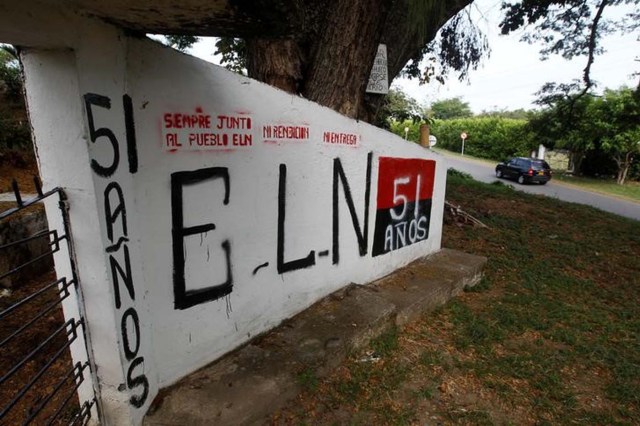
column 397, row 127
column 494, row 138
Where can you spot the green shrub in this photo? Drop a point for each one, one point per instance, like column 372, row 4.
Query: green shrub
column 494, row 138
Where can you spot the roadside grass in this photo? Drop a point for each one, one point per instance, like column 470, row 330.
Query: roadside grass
column 630, row 190
column 466, row 156
column 551, row 335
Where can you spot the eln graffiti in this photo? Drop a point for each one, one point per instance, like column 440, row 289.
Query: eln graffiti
column 204, row 292
column 405, row 188
column 362, row 231
column 340, row 138
column 184, row 298
column 200, row 131
column 115, row 218
column 274, row 133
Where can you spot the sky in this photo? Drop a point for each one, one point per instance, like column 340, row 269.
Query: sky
column 509, row 78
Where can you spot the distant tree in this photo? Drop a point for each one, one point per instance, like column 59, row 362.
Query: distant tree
column 615, row 118
column 517, row 114
column 609, row 124
column 561, row 125
column 450, row 108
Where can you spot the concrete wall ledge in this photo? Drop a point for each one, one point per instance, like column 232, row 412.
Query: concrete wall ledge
column 252, row 382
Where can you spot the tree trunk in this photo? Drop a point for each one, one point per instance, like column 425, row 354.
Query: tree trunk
column 575, row 162
column 276, row 62
column 339, row 68
column 330, row 63
column 404, row 39
column 624, row 164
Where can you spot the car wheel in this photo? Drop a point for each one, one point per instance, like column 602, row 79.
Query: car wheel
column 499, row 173
column 543, row 183
column 521, row 180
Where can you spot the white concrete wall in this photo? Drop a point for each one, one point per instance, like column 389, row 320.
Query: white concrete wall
column 161, row 82
column 285, row 232
column 52, row 79
column 56, row 81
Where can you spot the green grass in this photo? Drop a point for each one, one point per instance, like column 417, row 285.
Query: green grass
column 577, row 293
column 308, row 379
column 630, row 190
column 466, row 156
column 386, row 343
column 551, row 335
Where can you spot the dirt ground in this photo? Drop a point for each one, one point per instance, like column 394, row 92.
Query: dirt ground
column 550, row 336
column 18, row 165
column 25, row 343
column 56, row 380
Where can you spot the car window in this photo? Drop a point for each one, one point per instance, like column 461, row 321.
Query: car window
column 539, row 165
column 512, row 162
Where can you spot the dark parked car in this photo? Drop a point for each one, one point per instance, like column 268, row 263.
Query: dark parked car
column 525, row 170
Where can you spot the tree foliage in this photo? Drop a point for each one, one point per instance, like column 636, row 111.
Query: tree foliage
column 570, row 28
column 493, row 138
column 605, row 128
column 10, row 78
column 615, row 118
column 233, row 52
column 459, row 48
column 561, row 125
column 518, row 114
column 14, row 128
column 398, row 107
column 328, row 58
column 181, row 42
column 450, row 108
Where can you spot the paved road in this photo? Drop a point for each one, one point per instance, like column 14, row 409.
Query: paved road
column 486, row 173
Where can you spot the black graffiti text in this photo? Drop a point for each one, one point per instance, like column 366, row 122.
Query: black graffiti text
column 115, row 218
column 184, row 298
column 339, row 180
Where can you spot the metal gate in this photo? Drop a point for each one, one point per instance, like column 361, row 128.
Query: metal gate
column 41, row 321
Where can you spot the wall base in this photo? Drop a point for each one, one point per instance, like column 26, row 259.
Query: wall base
column 249, row 384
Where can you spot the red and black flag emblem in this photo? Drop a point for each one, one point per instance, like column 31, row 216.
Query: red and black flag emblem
column 403, row 216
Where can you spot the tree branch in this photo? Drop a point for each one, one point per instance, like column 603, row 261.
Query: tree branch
column 593, row 35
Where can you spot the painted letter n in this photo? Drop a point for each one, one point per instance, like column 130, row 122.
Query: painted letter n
column 184, row 298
